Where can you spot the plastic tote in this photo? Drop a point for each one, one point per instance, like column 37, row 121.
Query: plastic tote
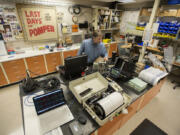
column 173, row 2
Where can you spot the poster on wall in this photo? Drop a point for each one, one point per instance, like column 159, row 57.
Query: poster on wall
column 39, row 22
column 9, row 24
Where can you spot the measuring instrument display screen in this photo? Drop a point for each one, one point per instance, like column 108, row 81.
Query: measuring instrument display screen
column 115, row 72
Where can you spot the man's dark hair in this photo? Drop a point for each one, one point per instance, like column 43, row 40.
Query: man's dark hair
column 96, row 33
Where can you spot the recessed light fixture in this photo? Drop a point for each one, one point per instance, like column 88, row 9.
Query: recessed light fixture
column 126, row 1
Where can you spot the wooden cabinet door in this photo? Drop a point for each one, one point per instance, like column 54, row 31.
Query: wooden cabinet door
column 53, row 60
column 3, row 80
column 112, row 47
column 70, row 53
column 15, row 70
column 36, row 65
column 132, row 109
column 151, row 93
column 111, row 127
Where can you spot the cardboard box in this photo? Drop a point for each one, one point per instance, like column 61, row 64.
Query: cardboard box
column 145, row 12
column 178, row 13
column 168, row 13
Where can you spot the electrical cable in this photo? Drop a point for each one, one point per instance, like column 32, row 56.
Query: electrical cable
column 28, row 84
column 27, row 102
column 49, row 83
column 39, row 75
column 33, row 72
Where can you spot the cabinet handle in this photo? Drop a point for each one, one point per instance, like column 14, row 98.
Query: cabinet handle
column 13, row 62
column 36, row 62
column 15, row 68
column 37, row 68
column 53, row 54
column 54, row 60
column 37, row 73
column 54, row 64
column 16, row 72
column 18, row 77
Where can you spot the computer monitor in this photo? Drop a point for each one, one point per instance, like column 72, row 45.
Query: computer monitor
column 74, row 66
column 118, row 63
column 128, row 69
column 125, row 67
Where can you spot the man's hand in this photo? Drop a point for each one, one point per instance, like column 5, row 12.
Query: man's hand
column 105, row 58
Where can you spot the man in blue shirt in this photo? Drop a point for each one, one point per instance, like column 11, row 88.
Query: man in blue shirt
column 93, row 48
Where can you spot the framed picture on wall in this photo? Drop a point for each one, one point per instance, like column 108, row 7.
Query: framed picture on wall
column 39, row 22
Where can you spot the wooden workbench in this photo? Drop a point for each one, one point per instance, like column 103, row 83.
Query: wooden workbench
column 118, row 121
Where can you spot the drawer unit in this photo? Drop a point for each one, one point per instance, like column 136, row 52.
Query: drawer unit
column 70, row 53
column 3, row 80
column 36, row 65
column 151, row 93
column 132, row 109
column 15, row 70
column 111, row 127
column 53, row 60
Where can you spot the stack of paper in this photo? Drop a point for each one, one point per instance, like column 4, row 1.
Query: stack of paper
column 137, row 84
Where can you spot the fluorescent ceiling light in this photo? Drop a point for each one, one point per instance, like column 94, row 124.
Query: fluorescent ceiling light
column 126, row 1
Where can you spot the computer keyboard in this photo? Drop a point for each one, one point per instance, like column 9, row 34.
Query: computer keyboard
column 48, row 101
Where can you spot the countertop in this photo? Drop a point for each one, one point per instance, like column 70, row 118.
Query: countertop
column 31, row 53
column 78, row 110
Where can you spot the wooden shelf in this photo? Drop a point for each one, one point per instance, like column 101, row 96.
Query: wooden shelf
column 105, row 15
column 126, row 46
column 155, row 37
column 114, row 22
column 151, row 48
column 176, row 64
column 111, row 29
column 135, row 34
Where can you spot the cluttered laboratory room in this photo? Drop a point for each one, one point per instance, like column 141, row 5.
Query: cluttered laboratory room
column 89, row 67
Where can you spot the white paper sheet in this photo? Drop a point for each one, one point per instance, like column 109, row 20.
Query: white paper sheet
column 152, row 75
column 111, row 102
column 2, row 49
